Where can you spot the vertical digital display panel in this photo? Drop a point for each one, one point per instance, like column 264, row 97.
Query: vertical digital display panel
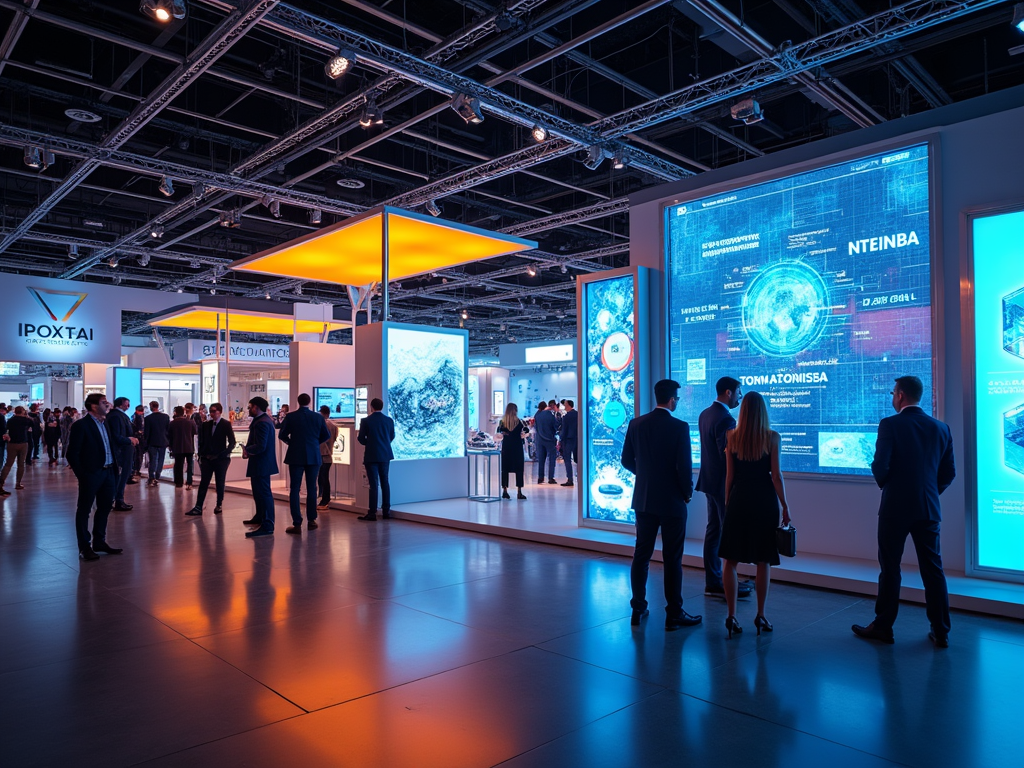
column 474, row 401
column 814, row 290
column 426, row 385
column 609, row 338
column 998, row 255
column 128, row 383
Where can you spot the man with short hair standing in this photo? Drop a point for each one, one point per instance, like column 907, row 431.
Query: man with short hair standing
column 303, row 431
column 123, row 443
column 657, row 451
column 545, row 430
column 37, row 432
column 3, row 431
column 913, row 465
column 216, row 441
column 714, row 424
column 376, row 433
column 570, row 432
column 326, row 459
column 259, row 452
column 157, row 433
column 92, row 458
column 139, row 432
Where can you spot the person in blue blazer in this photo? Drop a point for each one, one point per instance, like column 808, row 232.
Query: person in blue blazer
column 570, row 434
column 302, row 431
column 657, row 451
column 260, row 451
column 376, row 433
column 121, row 433
column 913, row 465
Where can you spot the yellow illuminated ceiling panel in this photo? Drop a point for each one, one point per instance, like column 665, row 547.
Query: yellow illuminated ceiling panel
column 350, row 252
column 203, row 319
column 181, row 370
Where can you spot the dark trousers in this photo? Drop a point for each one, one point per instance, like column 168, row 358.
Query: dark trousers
column 95, row 487
column 35, row 445
column 546, row 454
column 264, row 499
column 323, row 481
column 712, row 538
column 183, row 468
column 295, row 474
column 140, row 455
column 209, row 469
column 377, row 472
column 892, row 537
column 570, row 453
column 673, row 533
column 124, row 462
column 53, row 451
column 505, row 472
column 156, row 461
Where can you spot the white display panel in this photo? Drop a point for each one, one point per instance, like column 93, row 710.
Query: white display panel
column 556, row 353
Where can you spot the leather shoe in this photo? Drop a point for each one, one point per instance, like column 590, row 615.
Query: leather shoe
column 104, row 547
column 552, row 482
column 371, row 518
column 684, row 619
column 217, row 510
column 312, row 525
column 122, row 507
column 88, row 554
column 261, row 531
column 295, row 529
column 387, row 516
column 133, row 481
column 568, row 485
column 634, row 620
column 194, row 512
column 871, row 632
column 251, row 521
column 940, row 641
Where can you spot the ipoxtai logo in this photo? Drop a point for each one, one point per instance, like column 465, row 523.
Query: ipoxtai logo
column 59, row 306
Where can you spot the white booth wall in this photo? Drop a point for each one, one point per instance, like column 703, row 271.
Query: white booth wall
column 528, row 387
column 976, row 166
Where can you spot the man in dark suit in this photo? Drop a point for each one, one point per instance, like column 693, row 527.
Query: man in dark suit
column 302, row 431
column 657, row 451
column 714, row 423
column 139, row 432
column 913, row 464
column 545, row 431
column 119, row 427
column 37, row 432
column 92, row 458
column 157, row 435
column 260, row 452
column 570, row 434
column 376, row 433
column 216, row 441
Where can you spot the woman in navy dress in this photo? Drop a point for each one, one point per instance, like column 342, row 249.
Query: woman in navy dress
column 753, row 493
column 512, row 459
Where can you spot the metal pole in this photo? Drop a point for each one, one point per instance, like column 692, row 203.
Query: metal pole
column 227, row 355
column 384, row 308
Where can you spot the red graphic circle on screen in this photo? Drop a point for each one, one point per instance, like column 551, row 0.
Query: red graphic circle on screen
column 617, row 352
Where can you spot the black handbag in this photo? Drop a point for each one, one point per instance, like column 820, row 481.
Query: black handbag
column 785, row 540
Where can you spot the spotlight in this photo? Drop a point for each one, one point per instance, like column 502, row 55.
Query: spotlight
column 213, row 291
column 181, row 290
column 468, row 108
column 563, row 269
column 465, row 315
column 371, row 115
column 433, row 208
column 339, row 64
column 231, row 219
column 315, row 216
column 620, row 161
column 595, row 156
column 144, row 260
column 33, row 157
column 267, row 296
column 1018, row 16
column 275, row 208
column 72, row 251
column 504, row 22
column 298, row 290
column 531, row 271
column 539, row 133
column 748, row 111
column 163, row 10
column 166, row 186
column 113, row 262
column 48, row 159
column 157, row 231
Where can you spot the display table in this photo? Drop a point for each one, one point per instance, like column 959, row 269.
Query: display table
column 475, row 456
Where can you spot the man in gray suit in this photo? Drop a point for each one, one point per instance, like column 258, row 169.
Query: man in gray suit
column 302, row 431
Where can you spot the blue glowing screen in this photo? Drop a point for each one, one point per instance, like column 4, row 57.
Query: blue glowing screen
column 609, row 339
column 814, row 290
column 341, row 401
column 999, row 388
column 426, row 382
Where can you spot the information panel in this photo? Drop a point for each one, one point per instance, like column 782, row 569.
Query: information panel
column 609, row 342
column 341, row 401
column 812, row 289
column 998, row 248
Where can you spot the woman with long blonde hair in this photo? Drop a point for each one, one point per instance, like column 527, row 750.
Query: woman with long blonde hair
column 512, row 459
column 753, row 492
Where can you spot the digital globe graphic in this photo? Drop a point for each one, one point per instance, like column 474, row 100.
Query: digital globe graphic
column 785, row 309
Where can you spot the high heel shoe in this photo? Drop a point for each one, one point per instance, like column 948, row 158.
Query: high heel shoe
column 762, row 623
column 733, row 626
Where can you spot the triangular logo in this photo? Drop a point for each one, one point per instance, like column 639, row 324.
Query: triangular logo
column 59, row 305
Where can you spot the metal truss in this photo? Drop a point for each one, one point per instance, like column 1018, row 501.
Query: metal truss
column 225, row 35
column 576, row 216
column 127, row 250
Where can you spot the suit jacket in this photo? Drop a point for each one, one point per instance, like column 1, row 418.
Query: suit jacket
column 913, row 464
column 570, row 426
column 182, row 434
column 302, row 431
column 657, row 451
column 216, row 441
column 139, row 425
column 85, row 452
column 545, row 427
column 714, row 422
column 261, row 448
column 119, row 427
column 376, row 432
column 155, row 430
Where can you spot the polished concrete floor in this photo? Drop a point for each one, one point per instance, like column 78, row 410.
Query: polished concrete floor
column 401, row 644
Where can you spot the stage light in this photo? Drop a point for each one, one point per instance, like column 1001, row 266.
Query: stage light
column 465, row 315
column 748, row 110
column 72, row 251
column 298, row 290
column 595, row 156
column 33, row 157
column 539, row 133
column 166, row 186
column 113, row 262
column 48, row 158
column 213, row 291
column 231, row 219
column 267, row 295
column 433, row 208
column 163, row 10
column 531, row 270
column 563, row 269
column 371, row 115
column 181, row 290
column 157, row 231
column 620, row 161
column 468, row 108
column 315, row 216
column 339, row 64
column 1018, row 16
column 144, row 260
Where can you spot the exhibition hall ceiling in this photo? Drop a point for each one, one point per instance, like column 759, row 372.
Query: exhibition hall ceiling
column 154, row 154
